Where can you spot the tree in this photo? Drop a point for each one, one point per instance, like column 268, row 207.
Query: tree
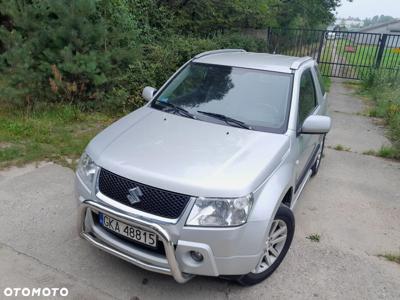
column 65, row 50
column 202, row 17
column 377, row 20
column 215, row 15
column 306, row 13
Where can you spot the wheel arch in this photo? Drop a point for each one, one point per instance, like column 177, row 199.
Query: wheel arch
column 287, row 199
column 277, row 189
column 274, row 191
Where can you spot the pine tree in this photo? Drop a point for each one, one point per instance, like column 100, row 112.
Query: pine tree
column 65, row 50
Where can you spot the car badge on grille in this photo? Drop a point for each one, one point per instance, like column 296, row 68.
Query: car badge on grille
column 134, row 195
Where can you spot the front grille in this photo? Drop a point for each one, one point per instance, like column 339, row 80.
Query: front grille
column 154, row 200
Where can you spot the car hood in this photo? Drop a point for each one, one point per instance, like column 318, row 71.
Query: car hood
column 188, row 156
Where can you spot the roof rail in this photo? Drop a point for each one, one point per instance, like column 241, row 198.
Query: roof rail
column 296, row 65
column 218, row 51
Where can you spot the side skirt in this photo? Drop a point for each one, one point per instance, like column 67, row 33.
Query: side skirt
column 300, row 189
column 309, row 164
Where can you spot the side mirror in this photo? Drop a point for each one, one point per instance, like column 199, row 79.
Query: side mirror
column 148, row 93
column 316, row 125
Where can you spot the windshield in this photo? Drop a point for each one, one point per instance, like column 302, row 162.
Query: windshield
column 257, row 98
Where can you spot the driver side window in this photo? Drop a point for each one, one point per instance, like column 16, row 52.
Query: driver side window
column 307, row 97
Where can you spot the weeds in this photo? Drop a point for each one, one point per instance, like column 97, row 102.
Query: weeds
column 315, row 237
column 391, row 257
column 340, row 147
column 370, row 152
column 389, row 152
column 384, row 91
column 384, row 152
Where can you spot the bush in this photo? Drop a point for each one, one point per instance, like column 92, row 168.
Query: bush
column 160, row 60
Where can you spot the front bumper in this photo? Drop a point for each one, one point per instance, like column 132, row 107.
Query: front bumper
column 91, row 206
column 226, row 251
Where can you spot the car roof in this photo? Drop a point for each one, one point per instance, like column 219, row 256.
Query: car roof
column 251, row 60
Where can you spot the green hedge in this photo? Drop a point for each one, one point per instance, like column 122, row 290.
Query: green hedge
column 93, row 54
column 98, row 54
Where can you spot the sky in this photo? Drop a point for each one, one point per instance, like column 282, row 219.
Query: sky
column 369, row 8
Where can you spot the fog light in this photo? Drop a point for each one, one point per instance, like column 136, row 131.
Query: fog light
column 196, row 256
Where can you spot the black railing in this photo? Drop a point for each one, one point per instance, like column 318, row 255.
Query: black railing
column 344, row 54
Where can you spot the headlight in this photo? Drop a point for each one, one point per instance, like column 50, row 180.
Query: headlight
column 86, row 170
column 220, row 211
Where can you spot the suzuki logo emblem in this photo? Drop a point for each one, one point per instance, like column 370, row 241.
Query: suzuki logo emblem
column 134, row 195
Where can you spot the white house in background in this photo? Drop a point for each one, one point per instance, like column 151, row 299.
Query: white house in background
column 349, row 22
column 392, row 28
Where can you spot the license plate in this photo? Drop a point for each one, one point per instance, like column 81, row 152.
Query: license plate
column 128, row 231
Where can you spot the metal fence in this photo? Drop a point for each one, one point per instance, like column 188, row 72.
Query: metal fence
column 343, row 54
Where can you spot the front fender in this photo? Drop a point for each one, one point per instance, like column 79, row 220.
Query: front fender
column 269, row 196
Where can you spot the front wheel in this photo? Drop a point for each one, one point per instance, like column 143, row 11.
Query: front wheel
column 276, row 245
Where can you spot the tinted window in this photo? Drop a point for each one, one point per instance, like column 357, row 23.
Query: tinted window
column 321, row 80
column 258, row 98
column 307, row 97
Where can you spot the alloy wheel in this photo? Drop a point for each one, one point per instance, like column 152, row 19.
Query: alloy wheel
column 273, row 245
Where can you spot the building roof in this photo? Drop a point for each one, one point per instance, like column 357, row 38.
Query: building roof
column 375, row 26
column 251, row 60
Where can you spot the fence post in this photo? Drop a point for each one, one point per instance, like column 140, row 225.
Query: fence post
column 381, row 50
column 321, row 44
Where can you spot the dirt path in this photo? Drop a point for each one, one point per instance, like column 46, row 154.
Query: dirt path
column 353, row 204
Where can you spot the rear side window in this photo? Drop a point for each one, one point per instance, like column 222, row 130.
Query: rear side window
column 307, row 97
column 321, row 81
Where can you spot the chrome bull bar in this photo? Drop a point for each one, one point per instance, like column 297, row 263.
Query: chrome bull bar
column 162, row 234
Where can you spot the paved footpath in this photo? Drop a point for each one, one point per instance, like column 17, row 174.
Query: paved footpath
column 353, row 204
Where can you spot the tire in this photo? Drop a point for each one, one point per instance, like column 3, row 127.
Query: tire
column 317, row 163
column 285, row 215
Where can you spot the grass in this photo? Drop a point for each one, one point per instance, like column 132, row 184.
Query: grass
column 363, row 58
column 391, row 257
column 58, row 133
column 315, row 237
column 366, row 55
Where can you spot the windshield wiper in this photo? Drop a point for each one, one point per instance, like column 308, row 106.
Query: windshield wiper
column 227, row 120
column 178, row 109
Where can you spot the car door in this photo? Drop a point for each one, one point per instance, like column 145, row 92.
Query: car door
column 307, row 143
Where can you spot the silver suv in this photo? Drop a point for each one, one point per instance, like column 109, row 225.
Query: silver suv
column 202, row 179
